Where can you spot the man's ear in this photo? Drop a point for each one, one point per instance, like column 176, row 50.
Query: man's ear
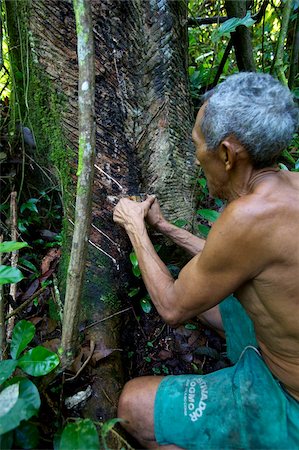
column 229, row 151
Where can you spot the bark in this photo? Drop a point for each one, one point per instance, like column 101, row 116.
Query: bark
column 143, row 140
column 278, row 65
column 86, row 97
column 294, row 63
column 241, row 37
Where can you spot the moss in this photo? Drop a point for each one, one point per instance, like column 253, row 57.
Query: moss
column 35, row 103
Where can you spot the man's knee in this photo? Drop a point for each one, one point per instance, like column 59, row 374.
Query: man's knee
column 127, row 400
column 136, row 406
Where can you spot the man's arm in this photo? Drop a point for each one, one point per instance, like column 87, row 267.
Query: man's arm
column 187, row 241
column 232, row 255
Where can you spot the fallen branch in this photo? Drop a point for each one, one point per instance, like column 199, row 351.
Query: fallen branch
column 25, row 303
column 92, row 347
column 106, row 318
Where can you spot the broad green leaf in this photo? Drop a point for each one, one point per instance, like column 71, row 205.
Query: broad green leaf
column 230, row 25
column 27, row 405
column 23, row 333
column 10, row 275
column 133, row 259
column 11, row 246
column 297, row 164
column 8, row 398
column 27, row 435
column 208, row 214
column 7, row 368
column 80, row 435
column 38, row 361
column 146, row 304
column 204, row 230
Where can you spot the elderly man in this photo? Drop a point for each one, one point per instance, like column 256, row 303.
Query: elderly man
column 251, row 251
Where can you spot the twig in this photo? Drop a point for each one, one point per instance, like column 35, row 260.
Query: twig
column 106, row 318
column 92, row 347
column 14, row 257
column 25, row 303
column 56, row 296
column 2, row 313
column 142, row 330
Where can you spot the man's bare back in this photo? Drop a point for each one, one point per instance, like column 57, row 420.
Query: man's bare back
column 271, row 298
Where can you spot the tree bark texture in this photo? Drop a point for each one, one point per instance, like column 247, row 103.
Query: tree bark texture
column 241, row 37
column 143, row 138
column 85, row 173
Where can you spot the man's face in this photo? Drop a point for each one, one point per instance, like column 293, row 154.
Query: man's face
column 209, row 160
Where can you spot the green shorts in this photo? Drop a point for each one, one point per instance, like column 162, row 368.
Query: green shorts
column 239, row 407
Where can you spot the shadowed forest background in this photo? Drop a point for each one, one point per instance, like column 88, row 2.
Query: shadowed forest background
column 72, row 331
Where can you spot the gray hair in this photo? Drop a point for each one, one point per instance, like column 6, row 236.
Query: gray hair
column 257, row 110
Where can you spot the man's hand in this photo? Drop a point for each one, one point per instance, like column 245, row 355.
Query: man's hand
column 154, row 216
column 130, row 214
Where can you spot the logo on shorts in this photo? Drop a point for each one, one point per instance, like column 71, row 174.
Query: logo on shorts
column 191, row 408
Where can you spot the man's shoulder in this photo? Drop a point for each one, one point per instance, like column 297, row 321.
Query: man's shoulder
column 244, row 212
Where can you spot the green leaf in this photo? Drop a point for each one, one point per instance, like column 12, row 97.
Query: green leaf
column 79, row 435
column 136, row 271
column 133, row 259
column 38, row 361
column 180, row 223
column 202, row 182
column 190, row 326
column 146, row 304
column 287, row 155
column 27, row 435
column 29, row 265
column 10, row 275
column 208, row 214
column 157, row 247
column 230, row 25
column 7, row 368
column 27, row 405
column 8, row 398
column 23, row 333
column 204, row 230
column 283, row 166
column 108, row 425
column 133, row 292
column 30, row 205
column 11, row 246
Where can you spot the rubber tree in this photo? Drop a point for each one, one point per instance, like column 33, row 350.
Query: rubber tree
column 143, row 138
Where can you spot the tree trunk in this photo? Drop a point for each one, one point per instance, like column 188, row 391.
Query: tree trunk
column 143, row 131
column 241, row 37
